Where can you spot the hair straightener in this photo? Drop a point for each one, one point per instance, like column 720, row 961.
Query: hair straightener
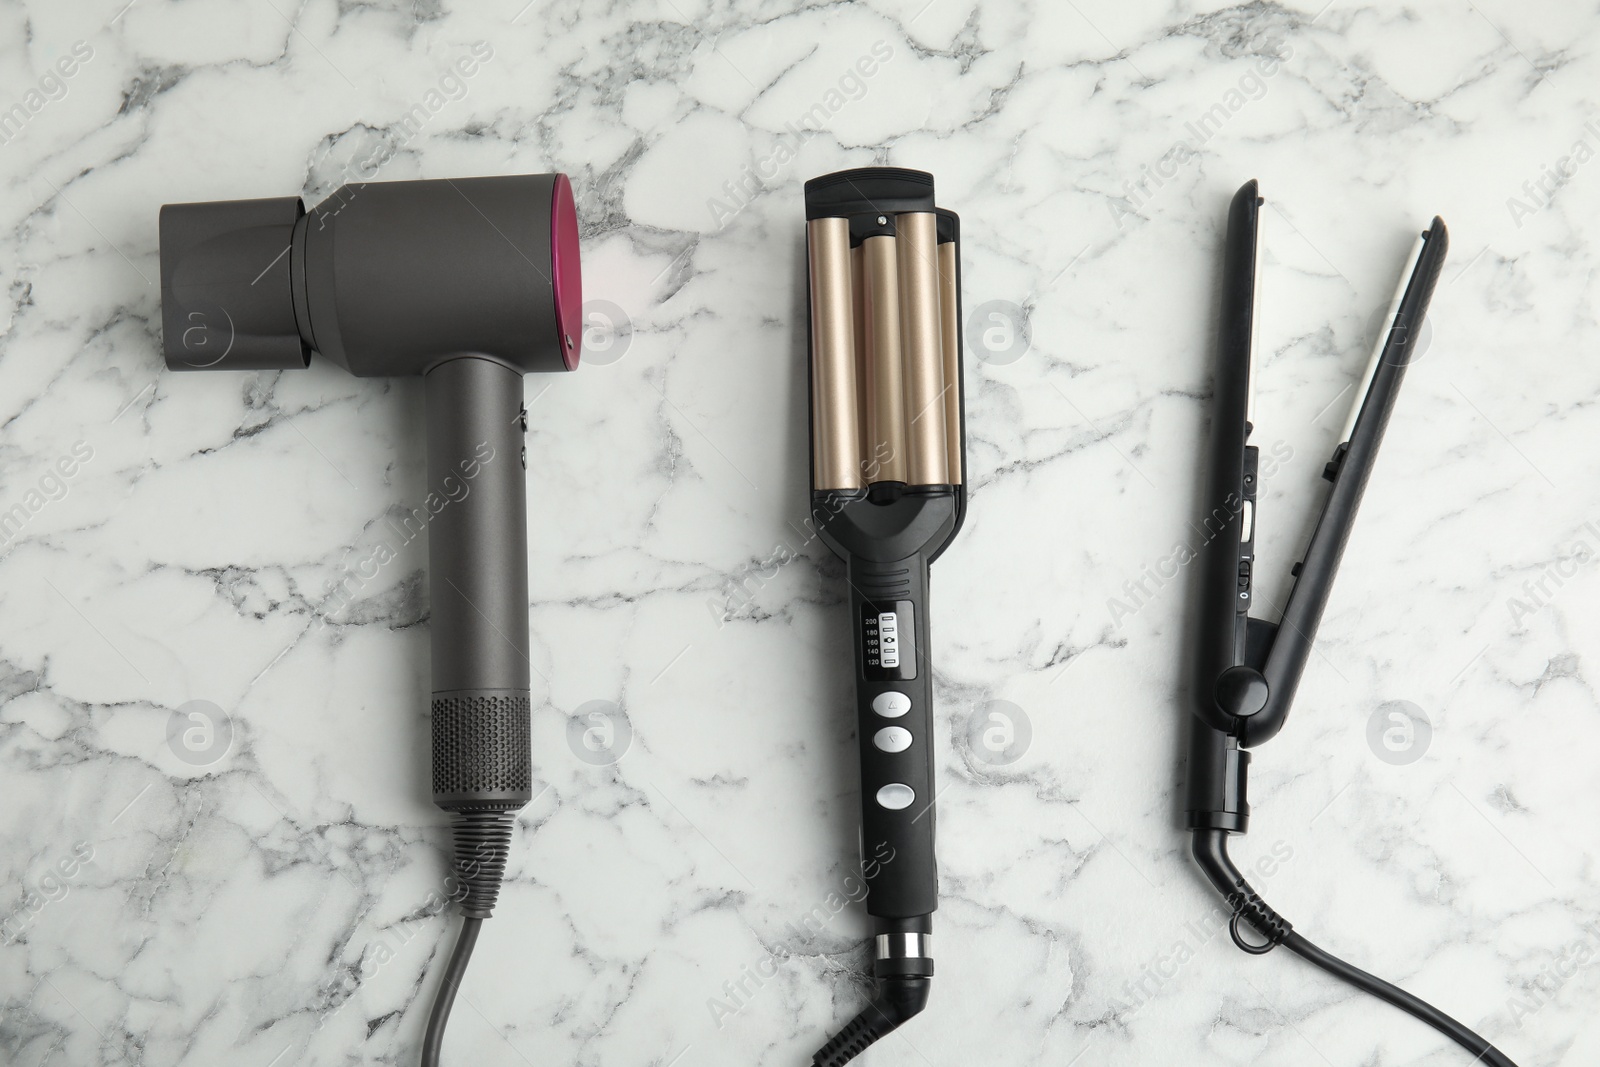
column 1248, row 668
column 468, row 284
column 887, row 450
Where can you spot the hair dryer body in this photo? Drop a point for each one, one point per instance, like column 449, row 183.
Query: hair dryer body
column 468, row 283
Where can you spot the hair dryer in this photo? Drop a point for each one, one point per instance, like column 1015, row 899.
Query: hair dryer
column 888, row 447
column 470, row 284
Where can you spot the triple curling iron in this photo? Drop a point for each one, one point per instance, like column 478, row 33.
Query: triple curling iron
column 887, row 496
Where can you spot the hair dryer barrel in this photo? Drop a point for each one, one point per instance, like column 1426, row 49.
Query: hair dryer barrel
column 383, row 278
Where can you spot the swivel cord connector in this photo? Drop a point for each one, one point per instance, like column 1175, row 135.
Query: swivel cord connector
column 903, row 967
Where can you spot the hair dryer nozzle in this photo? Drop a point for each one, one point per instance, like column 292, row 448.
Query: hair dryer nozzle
column 226, row 297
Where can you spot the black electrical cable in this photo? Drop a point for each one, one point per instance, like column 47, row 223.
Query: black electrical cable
column 899, row 998
column 1211, row 853
column 447, row 992
column 1413, row 1006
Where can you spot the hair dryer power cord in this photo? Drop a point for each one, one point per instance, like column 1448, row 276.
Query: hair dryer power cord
column 446, row 996
column 482, row 842
column 1211, row 853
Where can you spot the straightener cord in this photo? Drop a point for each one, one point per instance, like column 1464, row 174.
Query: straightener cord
column 1414, row 1006
column 446, row 996
column 1211, row 853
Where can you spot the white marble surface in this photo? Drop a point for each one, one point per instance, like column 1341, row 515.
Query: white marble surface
column 273, row 906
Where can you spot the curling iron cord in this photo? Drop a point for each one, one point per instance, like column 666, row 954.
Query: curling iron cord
column 899, row 998
column 483, row 839
column 1211, row 853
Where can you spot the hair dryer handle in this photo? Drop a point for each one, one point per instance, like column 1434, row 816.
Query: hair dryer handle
column 478, row 575
column 894, row 704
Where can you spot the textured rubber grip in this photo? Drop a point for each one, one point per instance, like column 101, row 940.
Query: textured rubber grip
column 483, row 844
column 482, row 759
column 898, row 1000
column 897, row 841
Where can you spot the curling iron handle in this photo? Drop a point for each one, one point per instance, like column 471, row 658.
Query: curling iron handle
column 476, row 518
column 894, row 706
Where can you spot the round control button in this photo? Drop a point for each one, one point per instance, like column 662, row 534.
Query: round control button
column 896, row 796
column 892, row 739
column 1241, row 692
column 891, row 705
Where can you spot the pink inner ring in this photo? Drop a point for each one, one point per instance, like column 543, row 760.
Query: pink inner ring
column 566, row 275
